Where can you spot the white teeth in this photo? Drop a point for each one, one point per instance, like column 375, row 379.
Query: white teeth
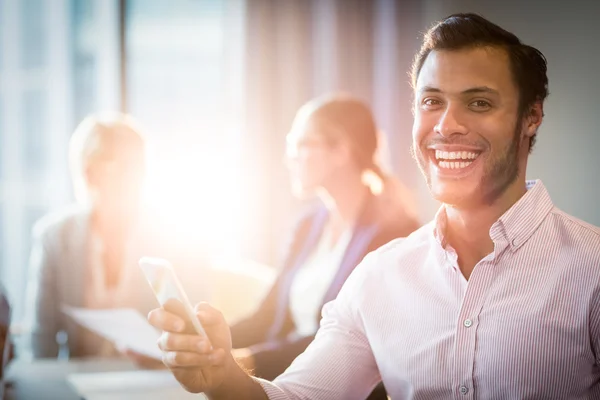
column 454, row 164
column 455, row 155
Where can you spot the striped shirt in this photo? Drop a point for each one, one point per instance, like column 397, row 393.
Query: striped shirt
column 526, row 325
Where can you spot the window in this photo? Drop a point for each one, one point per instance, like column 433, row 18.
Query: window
column 175, row 66
column 71, row 47
column 2, row 242
column 33, row 120
column 33, row 30
column 178, row 87
column 84, row 57
column 2, row 158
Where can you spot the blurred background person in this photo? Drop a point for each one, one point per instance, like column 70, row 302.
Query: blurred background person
column 332, row 149
column 86, row 255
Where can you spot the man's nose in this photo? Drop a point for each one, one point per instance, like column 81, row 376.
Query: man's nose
column 451, row 122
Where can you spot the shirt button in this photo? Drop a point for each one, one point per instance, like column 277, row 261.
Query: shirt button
column 464, row 390
column 468, row 323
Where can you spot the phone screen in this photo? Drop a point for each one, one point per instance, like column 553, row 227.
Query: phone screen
column 169, row 292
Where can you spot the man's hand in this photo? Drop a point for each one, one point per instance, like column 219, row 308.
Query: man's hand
column 197, row 366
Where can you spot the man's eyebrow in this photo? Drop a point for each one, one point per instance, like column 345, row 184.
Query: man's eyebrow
column 473, row 90
column 429, row 89
column 480, row 89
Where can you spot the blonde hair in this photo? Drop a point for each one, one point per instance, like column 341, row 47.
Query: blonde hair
column 95, row 138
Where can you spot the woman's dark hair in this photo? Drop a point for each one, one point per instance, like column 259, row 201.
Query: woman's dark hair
column 460, row 31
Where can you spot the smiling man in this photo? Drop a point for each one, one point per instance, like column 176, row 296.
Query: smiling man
column 497, row 298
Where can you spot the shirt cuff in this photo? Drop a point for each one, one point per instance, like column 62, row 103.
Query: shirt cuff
column 272, row 390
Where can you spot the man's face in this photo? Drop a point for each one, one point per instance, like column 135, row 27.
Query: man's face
column 467, row 138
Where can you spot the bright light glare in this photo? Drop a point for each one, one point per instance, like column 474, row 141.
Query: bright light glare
column 197, row 197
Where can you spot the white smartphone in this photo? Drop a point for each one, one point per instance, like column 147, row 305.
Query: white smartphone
column 166, row 286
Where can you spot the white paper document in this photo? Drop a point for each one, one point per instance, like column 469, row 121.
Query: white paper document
column 129, row 385
column 125, row 327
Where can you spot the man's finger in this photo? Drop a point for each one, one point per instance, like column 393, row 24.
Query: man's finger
column 180, row 359
column 165, row 321
column 208, row 315
column 183, row 342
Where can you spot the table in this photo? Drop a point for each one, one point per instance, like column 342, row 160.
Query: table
column 46, row 379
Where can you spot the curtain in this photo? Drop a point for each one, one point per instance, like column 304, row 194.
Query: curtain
column 296, row 50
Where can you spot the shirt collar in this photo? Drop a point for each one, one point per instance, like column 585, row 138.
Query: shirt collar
column 520, row 221
column 517, row 224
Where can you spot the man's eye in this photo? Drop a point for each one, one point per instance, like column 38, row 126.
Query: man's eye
column 480, row 105
column 429, row 103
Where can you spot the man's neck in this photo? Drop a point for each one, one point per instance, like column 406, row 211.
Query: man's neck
column 468, row 228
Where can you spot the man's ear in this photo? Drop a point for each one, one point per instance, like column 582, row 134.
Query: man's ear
column 534, row 119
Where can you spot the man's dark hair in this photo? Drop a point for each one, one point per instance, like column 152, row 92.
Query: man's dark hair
column 460, row 31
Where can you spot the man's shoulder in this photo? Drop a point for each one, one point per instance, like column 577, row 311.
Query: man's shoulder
column 401, row 251
column 380, row 265
column 413, row 243
column 570, row 228
column 57, row 221
column 576, row 223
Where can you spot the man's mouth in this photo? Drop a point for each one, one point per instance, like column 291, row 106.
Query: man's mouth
column 455, row 159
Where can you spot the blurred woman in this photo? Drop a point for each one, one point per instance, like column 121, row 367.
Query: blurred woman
column 84, row 255
column 332, row 151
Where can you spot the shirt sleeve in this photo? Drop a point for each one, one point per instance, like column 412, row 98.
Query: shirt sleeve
column 339, row 364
